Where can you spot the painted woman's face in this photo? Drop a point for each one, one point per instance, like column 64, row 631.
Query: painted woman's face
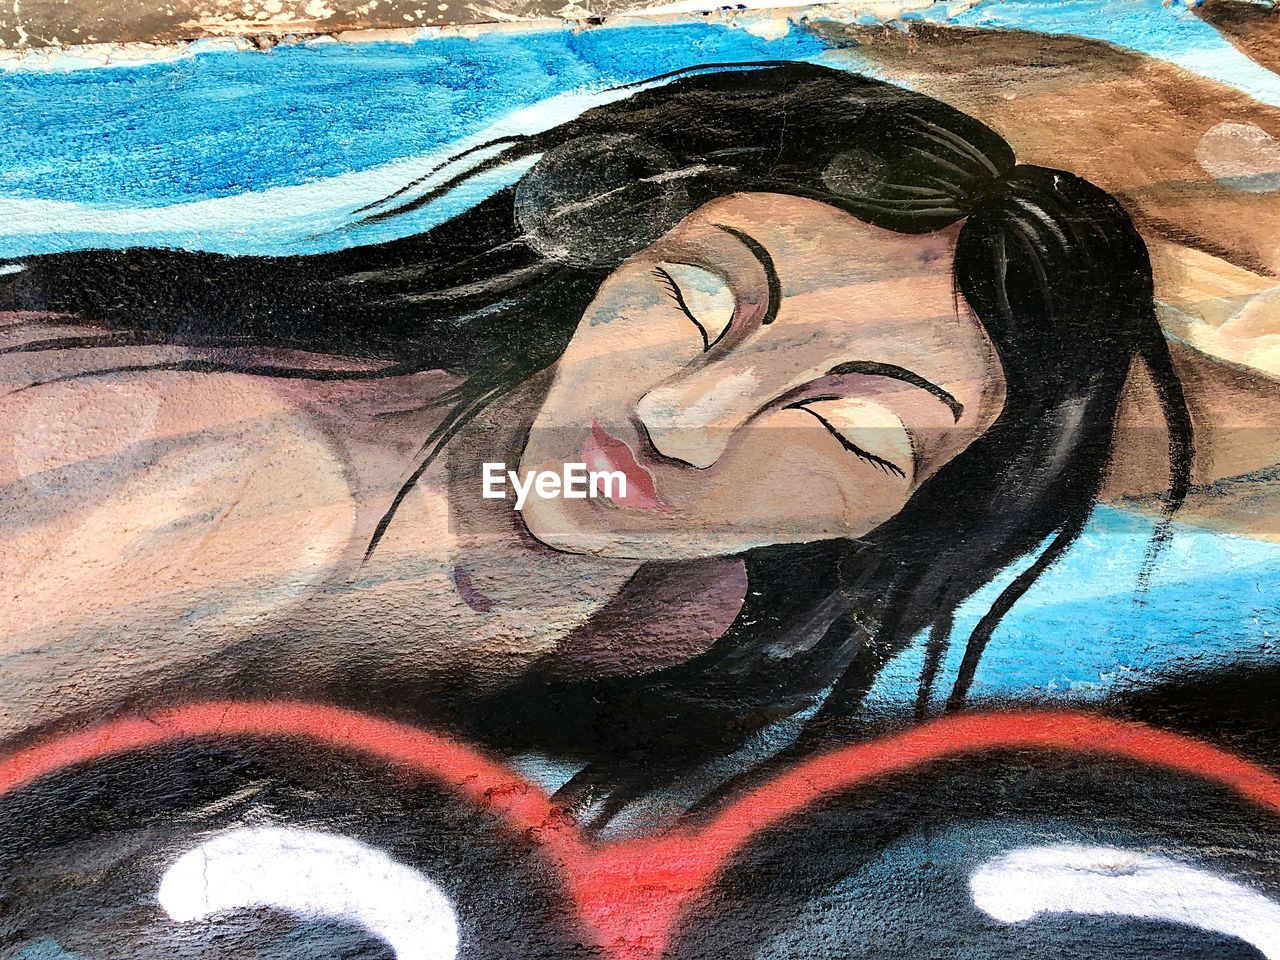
column 773, row 370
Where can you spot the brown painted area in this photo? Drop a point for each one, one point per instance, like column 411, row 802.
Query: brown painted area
column 1068, row 103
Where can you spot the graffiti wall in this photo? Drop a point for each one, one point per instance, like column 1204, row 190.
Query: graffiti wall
column 754, row 485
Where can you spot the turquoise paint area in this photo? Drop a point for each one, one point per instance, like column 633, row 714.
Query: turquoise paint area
column 272, row 153
column 225, row 123
column 43, row 949
column 1087, row 629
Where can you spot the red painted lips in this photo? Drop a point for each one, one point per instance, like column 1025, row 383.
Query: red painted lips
column 607, row 454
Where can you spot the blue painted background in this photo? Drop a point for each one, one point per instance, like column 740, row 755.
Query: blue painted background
column 270, row 152
column 220, row 124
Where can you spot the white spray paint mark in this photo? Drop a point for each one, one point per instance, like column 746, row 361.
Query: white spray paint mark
column 313, row 875
column 1108, row 881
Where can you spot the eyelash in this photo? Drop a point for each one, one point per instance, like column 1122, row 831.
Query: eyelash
column 857, row 451
column 673, row 291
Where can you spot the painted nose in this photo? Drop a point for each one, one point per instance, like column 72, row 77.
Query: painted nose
column 692, row 420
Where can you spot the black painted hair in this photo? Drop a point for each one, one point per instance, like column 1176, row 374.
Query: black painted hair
column 1050, row 264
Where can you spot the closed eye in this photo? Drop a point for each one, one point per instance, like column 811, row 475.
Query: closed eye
column 865, row 429
column 704, row 297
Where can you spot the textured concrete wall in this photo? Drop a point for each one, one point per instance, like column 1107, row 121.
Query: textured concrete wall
column 43, row 24
column 31, row 24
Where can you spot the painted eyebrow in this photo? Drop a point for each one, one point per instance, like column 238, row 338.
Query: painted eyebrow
column 766, row 263
column 874, row 369
column 854, row 366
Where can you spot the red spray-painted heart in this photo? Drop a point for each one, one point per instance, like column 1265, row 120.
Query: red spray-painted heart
column 631, row 894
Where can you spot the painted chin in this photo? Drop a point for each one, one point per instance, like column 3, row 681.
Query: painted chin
column 604, row 453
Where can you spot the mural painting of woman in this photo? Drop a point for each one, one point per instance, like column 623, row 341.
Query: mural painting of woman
column 854, row 359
